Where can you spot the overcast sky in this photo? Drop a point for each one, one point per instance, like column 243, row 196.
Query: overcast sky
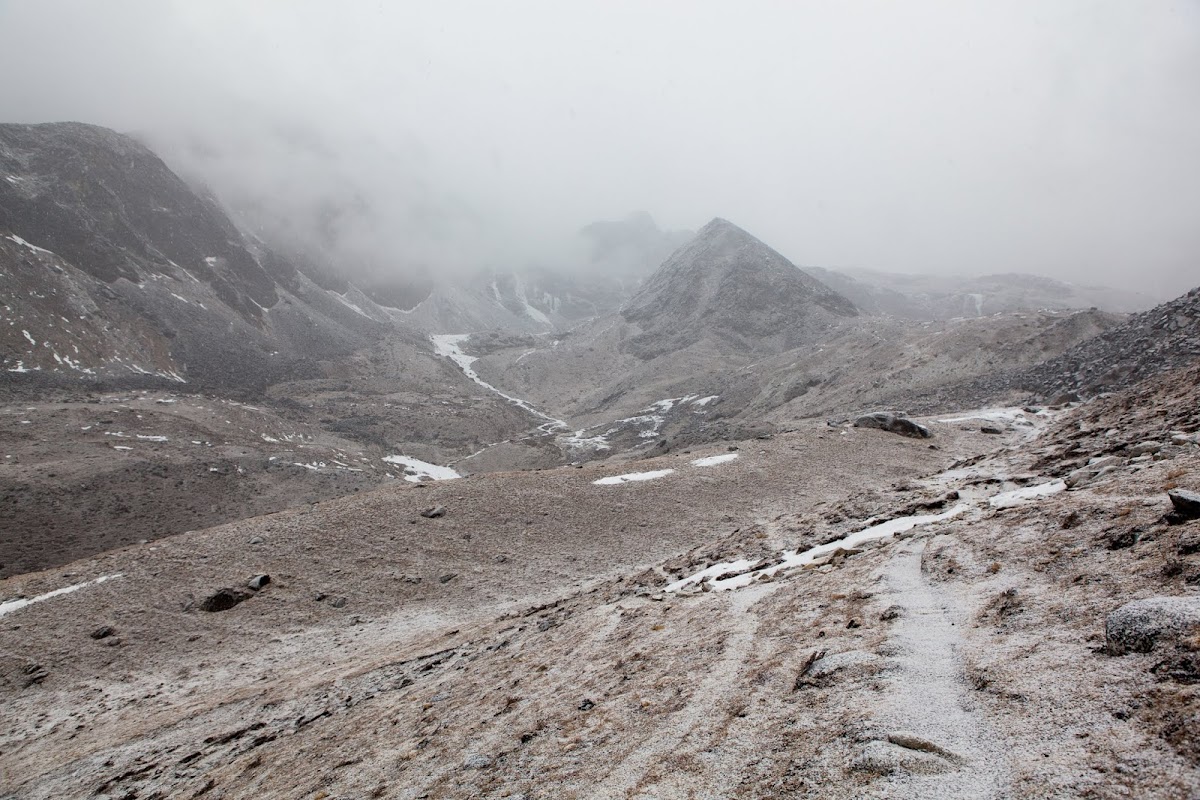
column 1051, row 136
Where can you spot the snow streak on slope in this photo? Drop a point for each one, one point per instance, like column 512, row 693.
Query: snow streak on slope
column 13, row 605
column 416, row 469
column 447, row 344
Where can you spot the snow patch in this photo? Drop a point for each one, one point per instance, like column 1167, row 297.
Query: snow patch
column 631, row 477
column 1018, row 496
column 417, row 470
column 712, row 461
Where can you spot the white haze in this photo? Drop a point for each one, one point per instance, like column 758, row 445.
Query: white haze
column 949, row 137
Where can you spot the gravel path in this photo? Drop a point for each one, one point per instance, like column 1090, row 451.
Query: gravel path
column 929, row 709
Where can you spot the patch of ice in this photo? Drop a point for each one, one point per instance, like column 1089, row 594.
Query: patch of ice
column 712, row 461
column 703, row 401
column 1018, row 496
column 151, row 437
column 792, row 559
column 32, row 340
column 121, row 447
column 631, row 477
column 416, row 470
column 10, row 606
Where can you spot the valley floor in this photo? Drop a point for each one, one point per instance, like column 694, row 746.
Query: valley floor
column 535, row 634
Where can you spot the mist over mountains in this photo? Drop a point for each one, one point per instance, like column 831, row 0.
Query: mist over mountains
column 599, row 400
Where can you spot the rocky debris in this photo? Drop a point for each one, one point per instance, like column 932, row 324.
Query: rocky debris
column 433, row 512
column 892, row 423
column 891, row 612
column 1186, row 505
column 1165, row 337
column 1143, row 625
column 258, row 582
column 103, row 632
column 224, row 599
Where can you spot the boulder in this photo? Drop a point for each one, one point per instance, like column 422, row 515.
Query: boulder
column 1186, row 503
column 1143, row 625
column 892, row 423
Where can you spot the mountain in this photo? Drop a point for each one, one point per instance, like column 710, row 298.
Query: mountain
column 938, row 297
column 726, row 284
column 115, row 269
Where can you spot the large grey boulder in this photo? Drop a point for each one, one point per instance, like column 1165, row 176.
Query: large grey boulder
column 1143, row 625
column 892, row 423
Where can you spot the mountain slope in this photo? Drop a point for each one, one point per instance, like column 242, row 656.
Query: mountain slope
column 115, row 269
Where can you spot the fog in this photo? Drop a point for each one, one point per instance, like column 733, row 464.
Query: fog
column 946, row 137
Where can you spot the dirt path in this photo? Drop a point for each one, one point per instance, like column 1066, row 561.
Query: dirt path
column 690, row 728
column 944, row 745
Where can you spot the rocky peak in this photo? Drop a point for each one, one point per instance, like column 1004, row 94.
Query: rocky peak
column 728, row 284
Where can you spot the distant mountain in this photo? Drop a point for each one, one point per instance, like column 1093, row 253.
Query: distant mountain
column 114, row 268
column 937, row 297
column 726, row 284
column 630, row 248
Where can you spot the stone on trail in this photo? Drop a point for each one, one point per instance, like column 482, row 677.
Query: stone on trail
column 258, row 582
column 1143, row 625
column 892, row 423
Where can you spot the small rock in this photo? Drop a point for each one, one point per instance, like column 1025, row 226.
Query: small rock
column 991, row 429
column 913, row 742
column 586, row 705
column 1142, row 625
column 258, row 582
column 337, row 602
column 256, row 540
column 891, row 613
column 449, row 576
column 1144, row 448
column 103, row 632
column 433, row 512
column 477, row 761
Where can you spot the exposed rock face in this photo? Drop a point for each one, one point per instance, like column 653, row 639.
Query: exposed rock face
column 118, row 270
column 1143, row 625
column 728, row 285
column 1165, row 337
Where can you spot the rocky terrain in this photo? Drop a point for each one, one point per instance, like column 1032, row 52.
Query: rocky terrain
column 695, row 525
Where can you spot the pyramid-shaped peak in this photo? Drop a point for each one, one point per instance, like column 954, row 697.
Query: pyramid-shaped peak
column 726, row 282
